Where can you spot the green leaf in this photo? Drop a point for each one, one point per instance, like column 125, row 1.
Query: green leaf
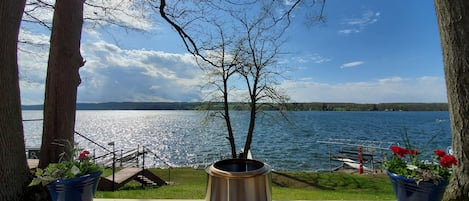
column 75, row 170
column 39, row 172
column 35, row 182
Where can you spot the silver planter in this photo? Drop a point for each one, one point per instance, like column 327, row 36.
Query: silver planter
column 239, row 180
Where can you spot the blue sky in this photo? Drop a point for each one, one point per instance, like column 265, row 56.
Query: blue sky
column 367, row 51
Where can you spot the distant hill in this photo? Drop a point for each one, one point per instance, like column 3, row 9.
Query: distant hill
column 244, row 106
column 128, row 106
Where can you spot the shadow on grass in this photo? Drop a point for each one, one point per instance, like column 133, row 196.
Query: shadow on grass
column 313, row 183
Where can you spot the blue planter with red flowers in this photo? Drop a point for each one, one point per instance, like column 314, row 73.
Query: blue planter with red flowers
column 409, row 190
column 80, row 188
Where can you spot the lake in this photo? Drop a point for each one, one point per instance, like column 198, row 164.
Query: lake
column 189, row 138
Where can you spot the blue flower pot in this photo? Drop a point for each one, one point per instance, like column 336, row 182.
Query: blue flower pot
column 408, row 190
column 75, row 189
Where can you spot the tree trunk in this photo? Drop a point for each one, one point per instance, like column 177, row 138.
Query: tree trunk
column 62, row 81
column 252, row 124
column 14, row 172
column 453, row 22
column 227, row 118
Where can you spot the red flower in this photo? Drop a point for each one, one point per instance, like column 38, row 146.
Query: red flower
column 440, row 152
column 413, row 152
column 447, row 160
column 83, row 155
column 401, row 152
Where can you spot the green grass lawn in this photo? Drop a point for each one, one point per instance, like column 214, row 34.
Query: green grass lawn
column 188, row 183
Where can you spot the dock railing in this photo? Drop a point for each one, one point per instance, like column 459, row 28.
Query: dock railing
column 134, row 157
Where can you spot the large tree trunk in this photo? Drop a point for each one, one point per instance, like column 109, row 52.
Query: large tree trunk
column 453, row 21
column 62, row 81
column 13, row 167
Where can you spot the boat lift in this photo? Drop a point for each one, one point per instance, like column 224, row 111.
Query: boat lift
column 365, row 150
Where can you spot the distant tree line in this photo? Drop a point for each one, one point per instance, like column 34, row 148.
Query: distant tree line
column 316, row 106
column 368, row 107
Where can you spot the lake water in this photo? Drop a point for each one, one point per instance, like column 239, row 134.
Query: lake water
column 187, row 138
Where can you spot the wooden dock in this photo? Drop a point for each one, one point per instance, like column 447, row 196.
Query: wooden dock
column 128, row 174
column 128, row 158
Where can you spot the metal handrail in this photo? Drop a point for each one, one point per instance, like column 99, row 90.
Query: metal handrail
column 154, row 154
column 101, row 146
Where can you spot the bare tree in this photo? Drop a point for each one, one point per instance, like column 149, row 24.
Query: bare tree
column 14, row 172
column 221, row 65
column 254, row 30
column 261, row 47
column 453, row 22
column 186, row 17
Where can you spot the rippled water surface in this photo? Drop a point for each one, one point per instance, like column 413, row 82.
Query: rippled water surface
column 187, row 138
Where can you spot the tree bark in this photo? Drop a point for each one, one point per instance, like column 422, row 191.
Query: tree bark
column 62, row 81
column 453, row 22
column 227, row 117
column 14, row 172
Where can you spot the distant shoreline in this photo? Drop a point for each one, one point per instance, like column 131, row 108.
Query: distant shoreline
column 316, row 106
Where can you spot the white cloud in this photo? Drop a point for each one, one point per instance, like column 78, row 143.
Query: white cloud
column 112, row 73
column 97, row 13
column 27, row 37
column 31, row 92
column 352, row 64
column 367, row 18
column 306, row 59
column 393, row 89
column 390, row 80
column 115, row 74
column 129, row 14
column 356, row 25
column 39, row 10
column 320, row 59
column 288, row 2
column 349, row 31
column 32, row 62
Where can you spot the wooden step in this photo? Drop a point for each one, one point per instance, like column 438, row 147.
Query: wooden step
column 126, row 175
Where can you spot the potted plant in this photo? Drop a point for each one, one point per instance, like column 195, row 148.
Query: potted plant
column 417, row 180
column 72, row 180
